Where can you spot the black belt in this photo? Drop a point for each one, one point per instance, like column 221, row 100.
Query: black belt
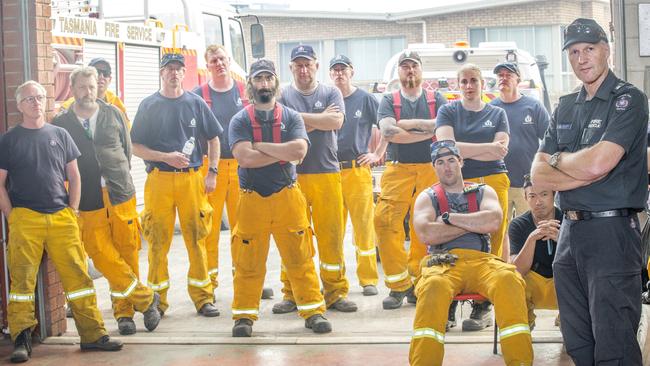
column 173, row 170
column 588, row 215
column 348, row 164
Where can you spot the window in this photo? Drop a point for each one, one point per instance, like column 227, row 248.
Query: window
column 213, row 33
column 237, row 43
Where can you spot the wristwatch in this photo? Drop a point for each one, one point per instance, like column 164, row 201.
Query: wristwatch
column 213, row 170
column 445, row 218
column 554, row 160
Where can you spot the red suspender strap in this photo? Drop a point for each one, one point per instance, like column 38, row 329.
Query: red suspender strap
column 242, row 93
column 397, row 105
column 257, row 128
column 472, row 198
column 443, row 204
column 205, row 91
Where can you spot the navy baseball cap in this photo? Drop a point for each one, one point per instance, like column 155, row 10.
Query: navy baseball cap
column 443, row 144
column 340, row 60
column 172, row 57
column 260, row 66
column 583, row 30
column 512, row 67
column 304, row 51
column 409, row 55
column 100, row 64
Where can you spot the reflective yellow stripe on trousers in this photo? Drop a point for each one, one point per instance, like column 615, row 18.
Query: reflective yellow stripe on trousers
column 397, row 277
column 21, row 297
column 124, row 294
column 159, row 286
column 514, row 330
column 429, row 333
column 198, row 283
column 313, row 306
column 73, row 295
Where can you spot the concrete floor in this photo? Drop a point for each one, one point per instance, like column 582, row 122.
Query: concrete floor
column 370, row 336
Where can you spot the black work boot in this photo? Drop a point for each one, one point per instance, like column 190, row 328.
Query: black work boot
column 104, row 343
column 318, row 324
column 126, row 326
column 344, row 305
column 243, row 328
column 451, row 317
column 480, row 318
column 152, row 315
column 267, row 293
column 22, row 347
column 284, row 306
column 396, row 298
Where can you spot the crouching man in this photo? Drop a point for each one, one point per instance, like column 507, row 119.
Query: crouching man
column 453, row 218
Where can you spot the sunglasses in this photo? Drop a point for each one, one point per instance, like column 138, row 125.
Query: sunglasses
column 104, row 73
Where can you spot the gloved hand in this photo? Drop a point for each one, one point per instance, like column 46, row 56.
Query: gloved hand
column 442, row 258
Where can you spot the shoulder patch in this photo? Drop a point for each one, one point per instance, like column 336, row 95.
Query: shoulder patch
column 472, row 188
column 622, row 102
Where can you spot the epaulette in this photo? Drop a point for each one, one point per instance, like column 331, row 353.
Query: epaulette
column 472, row 188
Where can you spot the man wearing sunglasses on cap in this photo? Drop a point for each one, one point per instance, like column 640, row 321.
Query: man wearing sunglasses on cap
column 594, row 155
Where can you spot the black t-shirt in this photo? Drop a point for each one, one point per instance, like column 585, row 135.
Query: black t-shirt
column 416, row 152
column 35, row 160
column 617, row 113
column 360, row 115
column 519, row 230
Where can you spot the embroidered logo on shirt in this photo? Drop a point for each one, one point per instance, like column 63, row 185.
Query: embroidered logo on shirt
column 52, row 142
column 357, row 113
column 528, row 120
column 282, row 126
column 318, row 104
column 488, row 123
column 239, row 103
column 595, row 123
column 193, row 123
column 622, row 102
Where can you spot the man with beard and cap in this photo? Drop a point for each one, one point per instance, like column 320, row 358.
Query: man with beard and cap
column 166, row 132
column 454, row 218
column 103, row 81
column 533, row 244
column 528, row 120
column 108, row 218
column 407, row 119
column 36, row 159
column 355, row 161
column 322, row 109
column 267, row 139
column 594, row 155
column 225, row 97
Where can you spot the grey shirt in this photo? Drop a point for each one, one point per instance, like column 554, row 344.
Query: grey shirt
column 321, row 156
column 528, row 120
column 360, row 115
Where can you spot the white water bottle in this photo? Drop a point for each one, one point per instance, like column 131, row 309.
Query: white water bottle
column 188, row 148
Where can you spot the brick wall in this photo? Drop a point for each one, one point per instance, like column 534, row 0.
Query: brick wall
column 40, row 58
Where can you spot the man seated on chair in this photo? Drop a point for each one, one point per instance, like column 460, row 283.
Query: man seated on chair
column 453, row 219
column 533, row 242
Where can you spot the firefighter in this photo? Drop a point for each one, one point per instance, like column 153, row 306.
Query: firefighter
column 407, row 119
column 355, row 161
column 166, row 132
column 35, row 160
column 454, row 218
column 225, row 97
column 265, row 138
column 107, row 215
column 322, row 109
column 103, row 82
column 482, row 133
column 533, row 244
column 528, row 120
column 594, row 155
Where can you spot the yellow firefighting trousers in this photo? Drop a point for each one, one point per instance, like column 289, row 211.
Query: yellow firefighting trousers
column 283, row 215
column 400, row 185
column 111, row 237
column 164, row 194
column 227, row 192
column 356, row 183
column 474, row 272
column 540, row 294
column 325, row 208
column 30, row 233
column 500, row 183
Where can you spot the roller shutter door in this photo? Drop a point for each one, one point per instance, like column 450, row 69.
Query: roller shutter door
column 105, row 50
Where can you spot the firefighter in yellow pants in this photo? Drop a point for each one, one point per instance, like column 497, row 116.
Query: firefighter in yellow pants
column 500, row 183
column 265, row 137
column 166, row 133
column 357, row 200
column 400, row 185
column 454, row 218
column 108, row 218
column 226, row 192
column 322, row 109
column 164, row 193
column 540, row 294
column 37, row 158
column 407, row 120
